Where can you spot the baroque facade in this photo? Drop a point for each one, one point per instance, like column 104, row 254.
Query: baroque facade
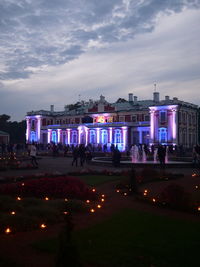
column 123, row 123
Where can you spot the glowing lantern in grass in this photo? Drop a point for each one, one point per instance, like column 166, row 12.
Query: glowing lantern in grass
column 145, row 194
column 98, row 206
column 87, row 201
column 102, row 200
column 194, row 175
column 103, row 195
column 125, row 194
column 93, row 190
column 198, row 208
column 8, row 231
column 43, row 226
column 92, row 210
column 117, row 191
column 66, row 199
column 13, row 213
column 65, row 212
column 19, row 198
column 196, row 186
column 46, row 198
column 23, row 184
column 154, row 200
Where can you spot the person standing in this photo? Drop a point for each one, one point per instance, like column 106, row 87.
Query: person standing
column 161, row 155
column 33, row 152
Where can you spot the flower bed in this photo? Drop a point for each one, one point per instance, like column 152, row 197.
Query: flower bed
column 57, row 187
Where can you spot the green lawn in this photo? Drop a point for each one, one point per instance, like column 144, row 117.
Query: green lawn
column 95, row 180
column 132, row 238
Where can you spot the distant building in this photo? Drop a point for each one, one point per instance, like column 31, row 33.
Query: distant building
column 123, row 123
column 4, row 137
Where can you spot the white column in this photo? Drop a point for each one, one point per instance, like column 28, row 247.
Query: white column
column 49, row 136
column 124, row 137
column 174, row 126
column 59, row 134
column 110, row 135
column 68, row 136
column 86, row 135
column 152, row 130
column 27, row 130
column 98, row 135
column 38, row 128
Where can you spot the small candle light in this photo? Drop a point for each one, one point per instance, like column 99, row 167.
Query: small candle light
column 198, row 208
column 117, row 191
column 46, row 198
column 154, row 200
column 66, row 212
column 145, row 194
column 125, row 194
column 19, row 198
column 22, row 184
column 103, row 195
column 102, row 200
column 8, row 230
column 93, row 190
column 87, row 201
column 66, row 199
column 196, row 186
column 98, row 206
column 43, row 226
column 92, row 210
column 13, row 213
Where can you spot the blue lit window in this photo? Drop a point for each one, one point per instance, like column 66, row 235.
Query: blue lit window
column 92, row 137
column 54, row 137
column 33, row 136
column 74, row 137
column 104, row 135
column 118, row 136
column 162, row 135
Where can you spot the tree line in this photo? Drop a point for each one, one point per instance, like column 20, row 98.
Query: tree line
column 17, row 130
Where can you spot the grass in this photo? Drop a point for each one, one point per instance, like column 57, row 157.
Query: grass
column 133, row 238
column 94, row 180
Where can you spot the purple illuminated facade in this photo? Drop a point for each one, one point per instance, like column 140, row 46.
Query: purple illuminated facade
column 123, row 123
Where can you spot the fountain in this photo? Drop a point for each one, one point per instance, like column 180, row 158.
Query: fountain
column 134, row 154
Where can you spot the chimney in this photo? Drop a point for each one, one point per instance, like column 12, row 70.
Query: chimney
column 66, row 108
column 175, row 98
column 52, row 108
column 156, row 97
column 135, row 99
column 130, row 97
column 167, row 98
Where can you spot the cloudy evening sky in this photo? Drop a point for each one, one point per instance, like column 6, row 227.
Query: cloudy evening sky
column 52, row 51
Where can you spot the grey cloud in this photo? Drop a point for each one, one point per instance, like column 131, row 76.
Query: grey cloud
column 40, row 32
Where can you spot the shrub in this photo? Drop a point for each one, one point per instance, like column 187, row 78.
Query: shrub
column 57, row 187
column 175, row 196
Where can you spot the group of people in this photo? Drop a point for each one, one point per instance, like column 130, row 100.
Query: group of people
column 81, row 154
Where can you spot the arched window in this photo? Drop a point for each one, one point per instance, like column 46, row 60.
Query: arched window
column 162, row 135
column 104, row 137
column 74, row 137
column 92, row 137
column 33, row 136
column 118, row 136
column 54, row 137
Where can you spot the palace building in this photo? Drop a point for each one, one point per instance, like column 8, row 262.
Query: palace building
column 123, row 123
